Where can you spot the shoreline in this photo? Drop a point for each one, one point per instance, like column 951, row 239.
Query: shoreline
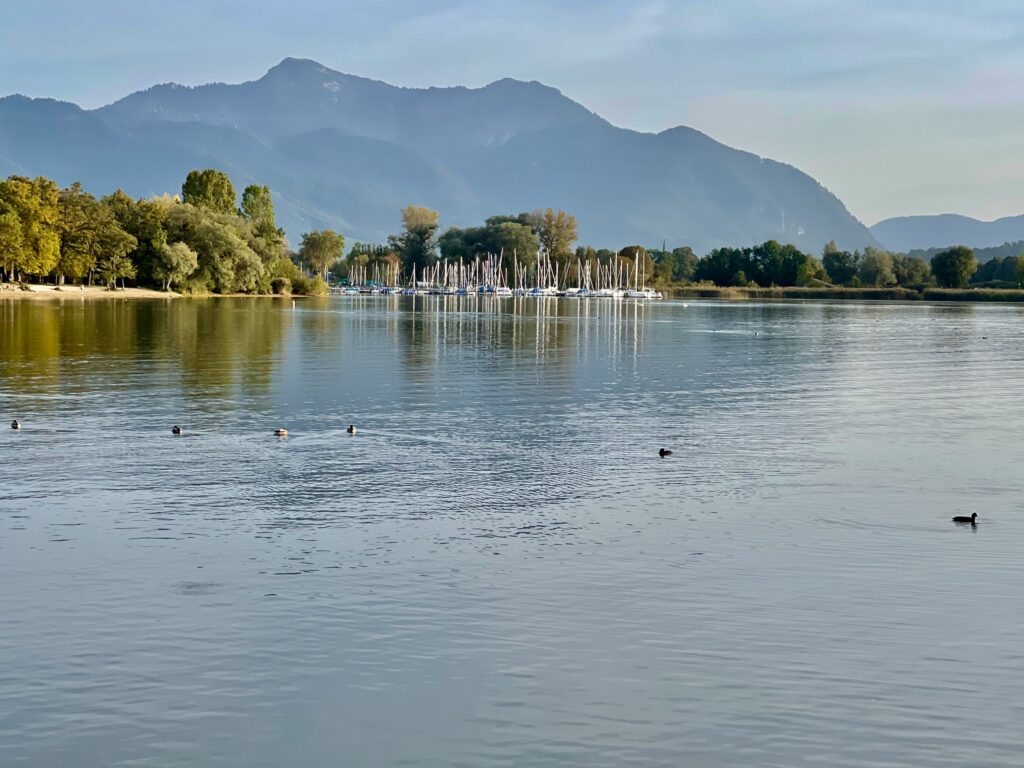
column 74, row 292
column 11, row 291
column 893, row 295
column 47, row 292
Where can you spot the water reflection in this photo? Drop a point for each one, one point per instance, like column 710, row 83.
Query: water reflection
column 213, row 347
column 499, row 569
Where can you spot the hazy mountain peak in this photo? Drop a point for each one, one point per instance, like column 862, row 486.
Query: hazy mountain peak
column 290, row 64
column 511, row 83
column 21, row 101
column 347, row 152
column 307, row 70
column 906, row 233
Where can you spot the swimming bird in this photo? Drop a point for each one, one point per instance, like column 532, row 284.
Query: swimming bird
column 175, row 430
column 281, row 432
column 351, row 429
column 664, row 452
column 15, row 424
column 973, row 519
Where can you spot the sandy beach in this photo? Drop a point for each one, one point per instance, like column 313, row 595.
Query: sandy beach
column 73, row 292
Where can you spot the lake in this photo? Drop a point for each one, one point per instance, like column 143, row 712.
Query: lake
column 498, row 569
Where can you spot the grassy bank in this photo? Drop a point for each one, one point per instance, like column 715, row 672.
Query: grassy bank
column 852, row 294
column 973, row 294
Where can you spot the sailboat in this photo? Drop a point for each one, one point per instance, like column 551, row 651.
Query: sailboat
column 639, row 290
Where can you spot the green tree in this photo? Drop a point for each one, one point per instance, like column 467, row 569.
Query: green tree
column 113, row 267
column 320, row 249
column 10, row 241
column 772, row 263
column 637, row 257
column 1009, row 270
column 226, row 262
column 841, row 266
column 1000, row 271
column 720, row 266
column 417, row 245
column 500, row 235
column 684, row 267
column 516, row 241
column 115, row 244
column 177, row 263
column 258, row 209
column 663, row 263
column 84, row 225
column 875, row 268
column 911, row 270
column 211, row 189
column 79, row 240
column 146, row 221
column 557, row 231
column 953, row 268
column 37, row 206
column 808, row 271
column 457, row 243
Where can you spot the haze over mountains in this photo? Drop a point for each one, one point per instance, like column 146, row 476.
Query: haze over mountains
column 348, row 153
column 906, row 233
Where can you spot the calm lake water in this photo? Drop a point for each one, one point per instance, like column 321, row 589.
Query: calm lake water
column 498, row 569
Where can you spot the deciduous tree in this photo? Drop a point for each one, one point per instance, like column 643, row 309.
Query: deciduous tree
column 953, row 268
column 875, row 268
column 417, row 245
column 10, row 241
column 211, row 189
column 37, row 207
column 911, row 270
column 557, row 231
column 841, row 266
column 320, row 249
column 80, row 233
column 115, row 244
column 177, row 263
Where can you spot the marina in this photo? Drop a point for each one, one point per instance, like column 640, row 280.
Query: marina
column 489, row 276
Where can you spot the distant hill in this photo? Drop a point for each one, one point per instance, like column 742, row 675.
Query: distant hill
column 346, row 152
column 908, row 233
column 983, row 255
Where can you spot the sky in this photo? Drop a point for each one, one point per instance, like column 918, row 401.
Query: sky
column 897, row 106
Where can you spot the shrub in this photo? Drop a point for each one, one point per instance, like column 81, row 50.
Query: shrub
column 301, row 284
column 318, row 287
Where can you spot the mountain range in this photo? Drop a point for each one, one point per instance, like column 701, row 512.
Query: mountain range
column 907, row 233
column 348, row 153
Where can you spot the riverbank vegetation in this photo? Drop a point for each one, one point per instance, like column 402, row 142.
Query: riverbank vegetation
column 210, row 240
column 204, row 241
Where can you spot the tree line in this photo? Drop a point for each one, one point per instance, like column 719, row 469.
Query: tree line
column 205, row 240
column 523, row 235
column 210, row 240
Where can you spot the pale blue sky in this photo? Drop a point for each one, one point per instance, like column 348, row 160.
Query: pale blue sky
column 898, row 106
